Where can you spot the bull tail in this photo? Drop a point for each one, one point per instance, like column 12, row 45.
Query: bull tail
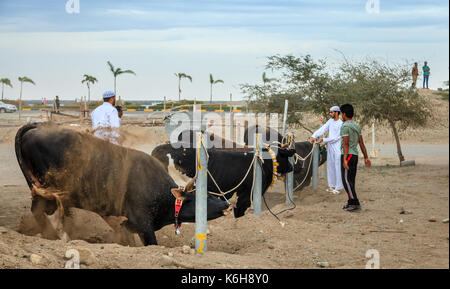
column 18, row 147
column 36, row 188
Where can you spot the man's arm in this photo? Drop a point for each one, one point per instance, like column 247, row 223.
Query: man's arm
column 320, row 131
column 345, row 147
column 364, row 151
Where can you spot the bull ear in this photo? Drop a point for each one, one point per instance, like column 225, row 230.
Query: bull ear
column 178, row 193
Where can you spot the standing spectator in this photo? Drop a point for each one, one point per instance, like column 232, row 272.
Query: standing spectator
column 415, row 74
column 105, row 119
column 57, row 104
column 333, row 126
column 351, row 137
column 426, row 74
column 45, row 101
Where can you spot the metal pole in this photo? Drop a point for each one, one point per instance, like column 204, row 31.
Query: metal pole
column 289, row 184
column 315, row 167
column 257, row 166
column 201, row 195
column 286, row 102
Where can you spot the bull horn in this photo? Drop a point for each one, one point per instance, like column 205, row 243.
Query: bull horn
column 190, row 185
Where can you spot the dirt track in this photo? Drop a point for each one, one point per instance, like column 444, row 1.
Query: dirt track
column 403, row 210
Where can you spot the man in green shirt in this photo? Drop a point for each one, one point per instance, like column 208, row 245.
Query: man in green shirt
column 351, row 137
column 426, row 74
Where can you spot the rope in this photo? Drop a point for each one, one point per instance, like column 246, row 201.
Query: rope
column 289, row 209
column 222, row 193
column 297, row 157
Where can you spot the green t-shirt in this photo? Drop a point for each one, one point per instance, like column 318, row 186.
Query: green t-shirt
column 352, row 130
column 426, row 72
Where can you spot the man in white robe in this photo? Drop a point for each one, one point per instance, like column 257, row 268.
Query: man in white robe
column 105, row 119
column 333, row 141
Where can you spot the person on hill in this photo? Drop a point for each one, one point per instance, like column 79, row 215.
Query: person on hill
column 426, row 74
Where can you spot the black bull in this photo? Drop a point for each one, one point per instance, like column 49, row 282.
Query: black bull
column 104, row 178
column 227, row 167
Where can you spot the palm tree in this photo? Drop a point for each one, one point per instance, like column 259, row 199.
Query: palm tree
column 22, row 80
column 4, row 81
column 116, row 72
column 212, row 82
column 265, row 79
column 88, row 79
column 180, row 76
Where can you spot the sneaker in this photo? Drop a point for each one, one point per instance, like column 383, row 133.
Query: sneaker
column 353, row 208
column 346, row 207
column 330, row 190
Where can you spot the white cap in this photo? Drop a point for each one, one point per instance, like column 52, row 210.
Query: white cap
column 108, row 94
column 335, row 108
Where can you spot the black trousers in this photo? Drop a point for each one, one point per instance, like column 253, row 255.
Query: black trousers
column 349, row 177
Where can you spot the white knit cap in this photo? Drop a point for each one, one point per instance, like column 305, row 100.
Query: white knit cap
column 108, row 94
column 335, row 108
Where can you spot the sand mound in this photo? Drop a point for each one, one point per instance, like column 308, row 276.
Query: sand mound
column 84, row 225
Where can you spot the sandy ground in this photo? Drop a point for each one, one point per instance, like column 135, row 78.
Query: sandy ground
column 402, row 217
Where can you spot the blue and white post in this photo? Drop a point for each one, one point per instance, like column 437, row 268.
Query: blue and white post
column 201, row 194
column 257, row 166
column 289, row 184
column 315, row 167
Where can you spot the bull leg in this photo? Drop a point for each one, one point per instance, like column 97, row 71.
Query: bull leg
column 241, row 206
column 148, row 238
column 57, row 224
column 38, row 208
column 138, row 224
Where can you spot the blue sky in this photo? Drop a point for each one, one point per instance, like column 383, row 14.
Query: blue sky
column 229, row 38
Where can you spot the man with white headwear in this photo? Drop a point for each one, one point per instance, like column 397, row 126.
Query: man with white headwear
column 105, row 119
column 333, row 126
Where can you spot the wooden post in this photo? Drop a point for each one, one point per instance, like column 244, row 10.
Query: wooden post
column 164, row 106
column 201, row 195
column 85, row 108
